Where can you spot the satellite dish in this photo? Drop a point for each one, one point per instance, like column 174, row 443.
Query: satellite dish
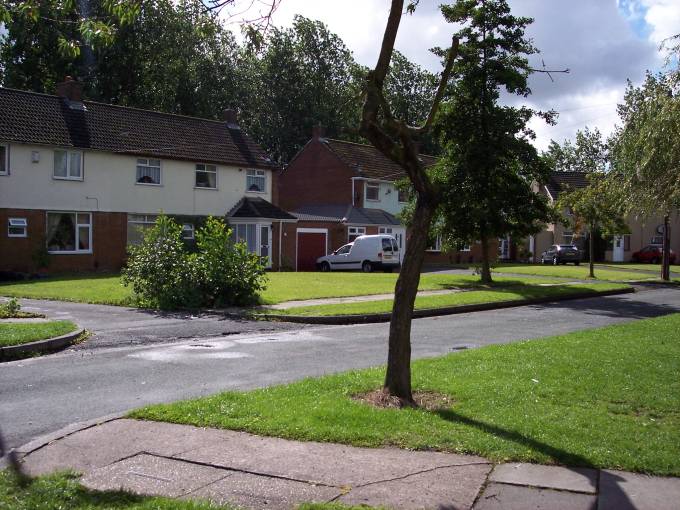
column 659, row 229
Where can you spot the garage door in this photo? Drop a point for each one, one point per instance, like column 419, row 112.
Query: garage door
column 310, row 246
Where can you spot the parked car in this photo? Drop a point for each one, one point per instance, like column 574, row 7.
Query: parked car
column 367, row 253
column 561, row 254
column 652, row 254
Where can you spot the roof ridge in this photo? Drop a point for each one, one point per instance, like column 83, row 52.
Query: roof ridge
column 372, row 146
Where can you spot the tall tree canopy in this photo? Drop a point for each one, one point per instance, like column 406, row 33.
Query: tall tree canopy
column 489, row 164
column 589, row 152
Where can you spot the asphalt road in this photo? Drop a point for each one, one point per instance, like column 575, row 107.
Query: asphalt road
column 139, row 358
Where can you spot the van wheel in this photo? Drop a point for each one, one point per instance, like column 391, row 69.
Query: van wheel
column 367, row 267
column 325, row 267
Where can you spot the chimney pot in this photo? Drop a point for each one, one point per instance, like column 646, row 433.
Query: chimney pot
column 318, row 132
column 70, row 89
column 230, row 117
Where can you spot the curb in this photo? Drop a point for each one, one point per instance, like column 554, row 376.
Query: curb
column 433, row 312
column 63, row 432
column 12, row 352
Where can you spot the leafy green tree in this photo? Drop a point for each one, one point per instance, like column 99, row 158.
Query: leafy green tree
column 646, row 151
column 596, row 208
column 488, row 164
column 589, row 152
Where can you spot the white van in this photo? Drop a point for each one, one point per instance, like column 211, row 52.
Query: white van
column 366, row 253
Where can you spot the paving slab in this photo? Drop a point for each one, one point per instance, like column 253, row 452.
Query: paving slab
column 442, row 488
column 153, row 476
column 329, row 464
column 257, row 492
column 499, row 496
column 549, row 477
column 620, row 490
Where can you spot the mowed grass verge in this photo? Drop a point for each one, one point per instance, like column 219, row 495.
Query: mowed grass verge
column 571, row 271
column 107, row 288
column 21, row 333
column 607, row 397
column 62, row 491
column 499, row 293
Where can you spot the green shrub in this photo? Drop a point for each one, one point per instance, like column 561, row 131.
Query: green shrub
column 163, row 273
column 10, row 309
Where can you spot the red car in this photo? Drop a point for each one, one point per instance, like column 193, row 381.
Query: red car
column 652, row 254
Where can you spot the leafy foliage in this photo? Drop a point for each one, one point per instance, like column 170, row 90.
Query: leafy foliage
column 588, row 153
column 162, row 272
column 489, row 163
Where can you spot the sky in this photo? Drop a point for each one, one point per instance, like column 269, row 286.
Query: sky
column 602, row 42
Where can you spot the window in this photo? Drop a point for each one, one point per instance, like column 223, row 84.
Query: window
column 465, row 247
column 255, row 181
column 4, row 160
column 69, row 232
column 149, row 171
column 403, row 195
column 387, row 244
column 188, row 231
column 137, row 224
column 206, row 176
column 246, row 233
column 567, row 237
column 436, row 245
column 17, row 227
column 68, row 165
column 344, row 250
column 373, row 191
column 657, row 240
column 354, row 232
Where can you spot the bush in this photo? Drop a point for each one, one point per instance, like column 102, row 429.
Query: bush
column 164, row 274
column 10, row 309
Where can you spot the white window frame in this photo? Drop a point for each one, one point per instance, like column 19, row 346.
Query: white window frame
column 437, row 247
column 465, row 247
column 68, row 176
column 188, row 230
column 205, row 170
column 17, row 223
column 6, row 159
column 77, row 234
column 146, row 163
column 356, row 232
column 256, row 174
column 372, row 184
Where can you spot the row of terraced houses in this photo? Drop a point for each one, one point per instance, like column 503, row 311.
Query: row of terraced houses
column 80, row 180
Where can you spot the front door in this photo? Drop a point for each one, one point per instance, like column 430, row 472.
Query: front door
column 265, row 244
column 617, row 255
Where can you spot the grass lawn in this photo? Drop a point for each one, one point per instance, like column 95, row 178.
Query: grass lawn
column 571, row 271
column 654, row 268
column 607, row 397
column 62, row 491
column 500, row 292
column 107, row 289
column 21, row 333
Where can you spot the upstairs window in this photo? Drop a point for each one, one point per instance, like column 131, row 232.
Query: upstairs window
column 149, row 171
column 68, row 165
column 404, row 195
column 206, row 176
column 188, row 231
column 17, row 227
column 4, row 160
column 373, row 191
column 256, row 181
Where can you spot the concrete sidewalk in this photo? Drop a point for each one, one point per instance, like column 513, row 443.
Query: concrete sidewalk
column 259, row 472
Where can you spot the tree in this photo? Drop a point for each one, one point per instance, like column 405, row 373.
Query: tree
column 489, row 163
column 646, row 151
column 597, row 207
column 399, row 142
column 588, row 153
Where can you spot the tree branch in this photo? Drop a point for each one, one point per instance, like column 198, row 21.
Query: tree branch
column 443, row 82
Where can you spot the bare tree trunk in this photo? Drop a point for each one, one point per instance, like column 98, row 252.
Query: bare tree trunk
column 666, row 256
column 398, row 375
column 486, row 266
column 591, row 252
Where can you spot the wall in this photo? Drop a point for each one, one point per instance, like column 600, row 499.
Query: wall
column 315, row 176
column 389, row 197
column 109, row 233
column 109, row 185
column 643, row 229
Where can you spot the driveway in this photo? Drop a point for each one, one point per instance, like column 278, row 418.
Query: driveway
column 40, row 395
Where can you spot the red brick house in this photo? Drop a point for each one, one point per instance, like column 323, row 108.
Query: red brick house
column 338, row 190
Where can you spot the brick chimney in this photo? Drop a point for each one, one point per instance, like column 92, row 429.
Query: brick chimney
column 231, row 118
column 70, row 89
column 318, row 132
